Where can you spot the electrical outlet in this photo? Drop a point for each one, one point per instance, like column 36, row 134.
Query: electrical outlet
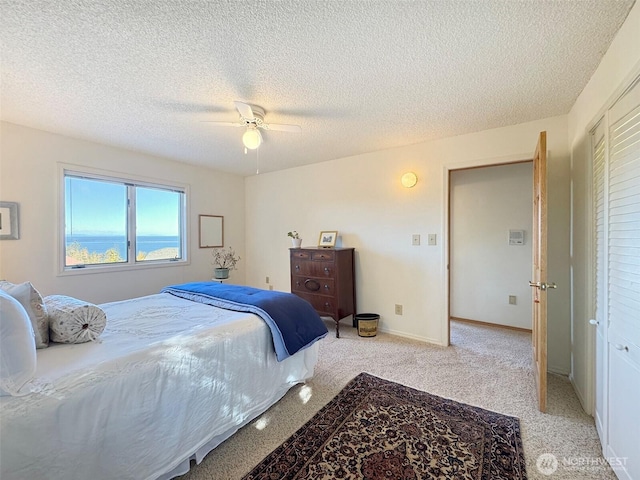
column 512, row 299
column 270, row 287
column 266, row 280
column 432, row 239
column 415, row 239
column 398, row 309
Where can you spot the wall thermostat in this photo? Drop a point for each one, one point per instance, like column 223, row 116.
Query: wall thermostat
column 516, row 237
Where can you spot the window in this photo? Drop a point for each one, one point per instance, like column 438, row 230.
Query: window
column 110, row 222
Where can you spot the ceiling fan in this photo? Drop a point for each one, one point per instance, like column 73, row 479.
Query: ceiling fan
column 252, row 118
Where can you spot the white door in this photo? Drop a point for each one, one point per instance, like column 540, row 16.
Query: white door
column 623, row 283
column 624, row 397
column 599, row 149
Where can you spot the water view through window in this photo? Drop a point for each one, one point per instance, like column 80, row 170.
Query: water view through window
column 97, row 221
column 157, row 216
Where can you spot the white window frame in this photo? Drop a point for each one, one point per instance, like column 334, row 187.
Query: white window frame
column 129, row 181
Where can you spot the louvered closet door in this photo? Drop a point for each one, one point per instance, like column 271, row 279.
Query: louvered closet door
column 624, row 282
column 600, row 288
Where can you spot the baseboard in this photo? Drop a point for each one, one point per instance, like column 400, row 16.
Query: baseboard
column 558, row 370
column 488, row 324
column 410, row 336
column 580, row 396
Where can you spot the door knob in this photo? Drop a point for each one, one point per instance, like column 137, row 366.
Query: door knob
column 594, row 322
column 617, row 346
column 542, row 286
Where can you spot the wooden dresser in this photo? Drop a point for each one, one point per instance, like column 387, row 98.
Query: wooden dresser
column 325, row 277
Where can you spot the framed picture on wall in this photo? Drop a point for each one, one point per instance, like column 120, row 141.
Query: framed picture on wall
column 211, row 228
column 9, row 221
column 328, row 239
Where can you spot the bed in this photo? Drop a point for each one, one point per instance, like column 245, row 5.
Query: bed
column 169, row 379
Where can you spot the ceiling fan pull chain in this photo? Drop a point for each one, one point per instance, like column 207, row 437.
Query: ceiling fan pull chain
column 257, row 161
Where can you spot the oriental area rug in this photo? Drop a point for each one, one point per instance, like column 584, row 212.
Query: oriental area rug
column 375, row 429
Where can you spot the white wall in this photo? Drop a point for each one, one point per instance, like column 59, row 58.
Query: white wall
column 29, row 175
column 619, row 65
column 361, row 197
column 485, row 204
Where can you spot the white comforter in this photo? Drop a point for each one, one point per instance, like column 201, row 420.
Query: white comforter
column 170, row 379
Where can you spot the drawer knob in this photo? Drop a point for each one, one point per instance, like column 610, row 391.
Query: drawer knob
column 326, row 287
column 297, row 267
column 327, row 304
column 297, row 284
column 326, row 269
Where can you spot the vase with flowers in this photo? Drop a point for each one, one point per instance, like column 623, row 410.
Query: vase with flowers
column 295, row 239
column 224, row 260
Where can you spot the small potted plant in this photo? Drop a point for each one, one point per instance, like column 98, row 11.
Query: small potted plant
column 224, row 261
column 295, row 239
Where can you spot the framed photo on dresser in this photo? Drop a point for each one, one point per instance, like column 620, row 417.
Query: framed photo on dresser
column 328, row 239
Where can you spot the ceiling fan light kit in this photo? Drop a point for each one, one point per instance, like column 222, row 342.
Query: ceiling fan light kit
column 252, row 117
column 252, row 138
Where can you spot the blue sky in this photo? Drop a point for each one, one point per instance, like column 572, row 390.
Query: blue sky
column 99, row 208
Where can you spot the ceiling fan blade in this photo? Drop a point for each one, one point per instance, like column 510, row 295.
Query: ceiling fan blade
column 282, row 127
column 223, row 124
column 245, row 110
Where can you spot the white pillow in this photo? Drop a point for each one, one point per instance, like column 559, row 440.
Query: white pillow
column 17, row 347
column 74, row 321
column 32, row 302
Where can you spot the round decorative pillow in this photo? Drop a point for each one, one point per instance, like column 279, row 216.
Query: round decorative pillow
column 74, row 321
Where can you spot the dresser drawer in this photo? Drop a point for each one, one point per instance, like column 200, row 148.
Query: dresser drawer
column 327, row 256
column 320, row 304
column 301, row 254
column 312, row 269
column 320, row 286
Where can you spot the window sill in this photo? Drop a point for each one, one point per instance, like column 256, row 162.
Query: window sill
column 94, row 269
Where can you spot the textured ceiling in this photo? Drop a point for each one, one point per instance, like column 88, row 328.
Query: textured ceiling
column 357, row 76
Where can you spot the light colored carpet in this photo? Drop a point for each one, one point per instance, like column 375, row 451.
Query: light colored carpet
column 485, row 366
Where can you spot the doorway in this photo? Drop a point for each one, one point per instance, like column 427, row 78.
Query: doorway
column 490, row 254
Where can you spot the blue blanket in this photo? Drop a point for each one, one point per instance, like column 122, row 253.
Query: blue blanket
column 293, row 322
